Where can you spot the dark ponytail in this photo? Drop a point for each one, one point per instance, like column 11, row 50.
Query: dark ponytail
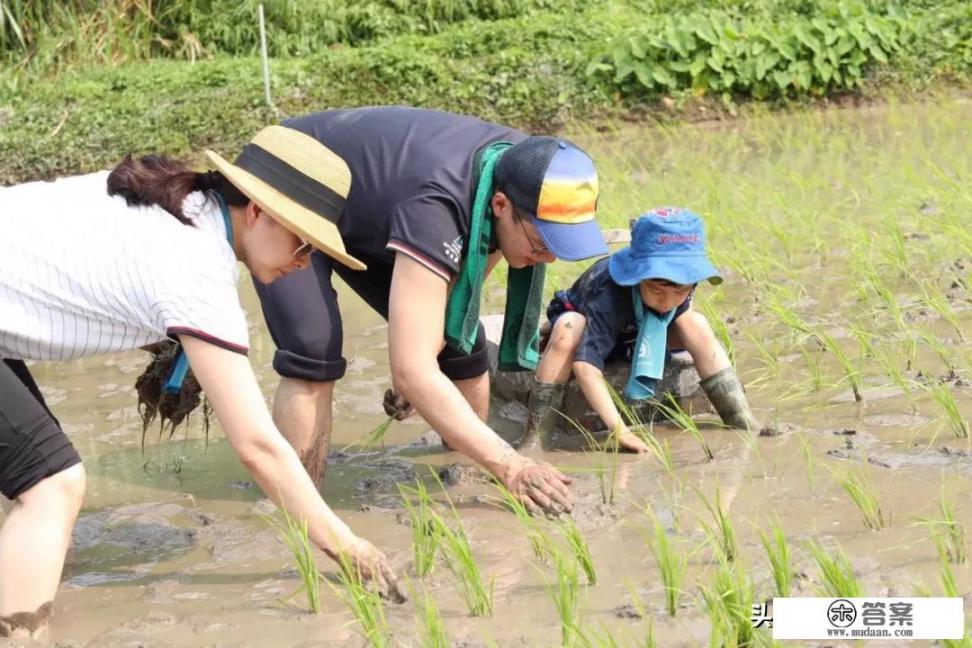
column 163, row 181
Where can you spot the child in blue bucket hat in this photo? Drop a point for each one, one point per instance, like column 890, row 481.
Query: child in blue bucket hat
column 636, row 304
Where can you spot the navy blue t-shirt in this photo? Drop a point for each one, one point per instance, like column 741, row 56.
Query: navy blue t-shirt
column 411, row 180
column 611, row 329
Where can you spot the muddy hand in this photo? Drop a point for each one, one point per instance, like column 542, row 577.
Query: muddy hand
column 372, row 565
column 396, row 406
column 541, row 487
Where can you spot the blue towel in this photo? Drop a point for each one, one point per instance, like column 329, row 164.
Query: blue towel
column 648, row 360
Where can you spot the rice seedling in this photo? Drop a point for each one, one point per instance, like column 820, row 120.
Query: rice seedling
column 375, row 437
column 454, row 546
column 671, row 564
column 605, row 461
column 721, row 532
column 837, row 572
column 934, row 299
column 889, row 362
column 809, row 462
column 648, row 641
column 294, row 535
column 936, row 345
column 860, row 488
column 953, row 418
column 424, row 539
column 579, row 548
column 566, row 598
column 778, row 554
column 677, row 415
column 538, row 539
column 947, row 531
column 365, row 604
column 432, row 629
column 851, row 373
column 730, row 604
column 659, row 449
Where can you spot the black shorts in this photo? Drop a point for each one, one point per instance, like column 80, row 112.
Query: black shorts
column 32, row 445
column 301, row 311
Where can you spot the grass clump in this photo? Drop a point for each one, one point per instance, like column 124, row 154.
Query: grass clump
column 778, row 554
column 431, row 627
column 859, row 487
column 294, row 535
column 721, row 531
column 365, row 604
column 672, row 411
column 566, row 598
column 454, row 546
column 672, row 565
column 948, row 532
column 837, row 572
column 579, row 549
column 420, row 515
column 539, row 542
column 729, row 603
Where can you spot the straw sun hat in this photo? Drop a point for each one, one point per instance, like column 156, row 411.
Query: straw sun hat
column 299, row 182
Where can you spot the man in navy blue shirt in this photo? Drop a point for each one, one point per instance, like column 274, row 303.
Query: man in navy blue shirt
column 407, row 220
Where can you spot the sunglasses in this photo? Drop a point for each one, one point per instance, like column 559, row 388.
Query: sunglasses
column 303, row 249
column 535, row 247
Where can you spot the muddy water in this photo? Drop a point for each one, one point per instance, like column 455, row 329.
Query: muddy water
column 172, row 549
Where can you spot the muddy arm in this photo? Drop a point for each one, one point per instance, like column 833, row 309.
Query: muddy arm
column 416, row 319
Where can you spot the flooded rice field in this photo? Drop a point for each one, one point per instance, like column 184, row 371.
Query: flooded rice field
column 846, row 243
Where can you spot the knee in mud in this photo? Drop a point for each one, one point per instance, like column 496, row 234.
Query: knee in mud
column 27, row 625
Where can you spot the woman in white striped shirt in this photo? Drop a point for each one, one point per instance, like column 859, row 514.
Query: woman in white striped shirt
column 110, row 262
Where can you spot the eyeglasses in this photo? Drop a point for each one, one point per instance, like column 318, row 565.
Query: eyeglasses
column 303, row 249
column 535, row 248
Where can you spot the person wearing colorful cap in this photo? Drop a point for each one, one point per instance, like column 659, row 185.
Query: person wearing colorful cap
column 635, row 305
column 145, row 255
column 436, row 201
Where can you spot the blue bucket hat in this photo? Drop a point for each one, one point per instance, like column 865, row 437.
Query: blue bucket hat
column 666, row 243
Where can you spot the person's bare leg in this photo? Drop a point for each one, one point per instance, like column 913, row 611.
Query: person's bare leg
column 554, row 366
column 302, row 412
column 476, row 392
column 692, row 332
column 33, row 542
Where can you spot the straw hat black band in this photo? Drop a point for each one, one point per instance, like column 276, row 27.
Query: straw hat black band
column 302, row 189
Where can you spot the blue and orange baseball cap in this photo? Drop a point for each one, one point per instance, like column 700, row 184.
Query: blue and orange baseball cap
column 666, row 243
column 555, row 182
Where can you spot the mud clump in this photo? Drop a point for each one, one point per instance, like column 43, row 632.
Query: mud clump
column 27, row 625
column 459, row 473
column 155, row 402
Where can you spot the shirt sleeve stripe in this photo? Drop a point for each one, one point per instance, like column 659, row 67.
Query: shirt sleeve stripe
column 174, row 331
column 431, row 264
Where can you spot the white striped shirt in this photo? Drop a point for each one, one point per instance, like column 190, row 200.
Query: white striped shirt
column 82, row 273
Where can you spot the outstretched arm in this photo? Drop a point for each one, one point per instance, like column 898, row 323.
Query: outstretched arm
column 228, row 381
column 416, row 320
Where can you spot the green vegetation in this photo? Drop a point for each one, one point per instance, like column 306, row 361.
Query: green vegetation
column 420, row 515
column 778, row 554
column 454, row 546
column 365, row 603
column 858, row 485
column 579, row 549
column 671, row 564
column 531, row 63
column 837, row 572
column 294, row 535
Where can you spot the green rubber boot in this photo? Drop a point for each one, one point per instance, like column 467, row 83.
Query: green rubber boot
column 546, row 401
column 726, row 394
